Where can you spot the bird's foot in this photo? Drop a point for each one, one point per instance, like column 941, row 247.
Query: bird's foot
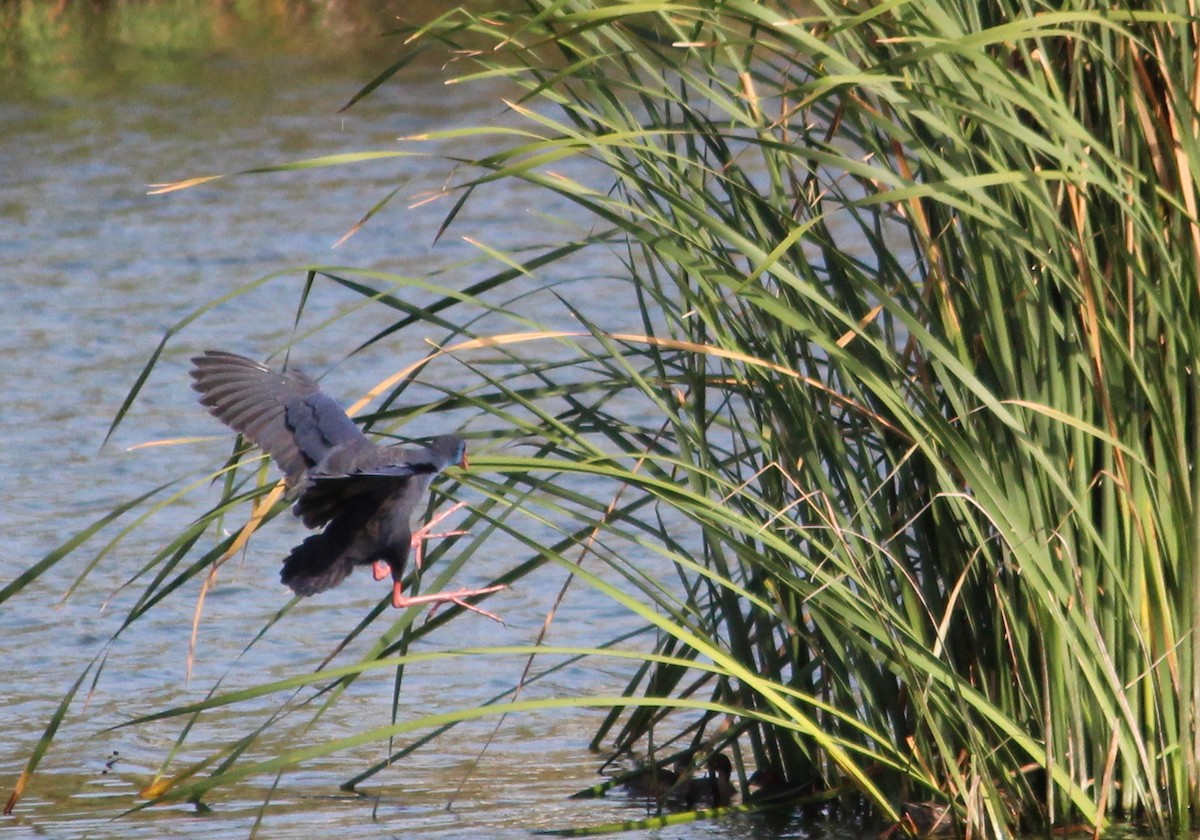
column 381, row 569
column 424, row 533
column 458, row 596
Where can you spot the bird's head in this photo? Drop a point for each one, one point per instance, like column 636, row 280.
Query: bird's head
column 450, row 450
column 719, row 764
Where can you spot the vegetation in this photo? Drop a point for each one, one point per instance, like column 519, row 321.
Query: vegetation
column 51, row 47
column 911, row 410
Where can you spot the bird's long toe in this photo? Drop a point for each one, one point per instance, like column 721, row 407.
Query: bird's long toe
column 457, row 597
column 425, row 532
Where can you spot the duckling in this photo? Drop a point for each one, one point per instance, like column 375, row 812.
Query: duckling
column 654, row 783
column 715, row 789
column 767, row 786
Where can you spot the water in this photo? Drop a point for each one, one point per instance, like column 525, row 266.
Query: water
column 94, row 271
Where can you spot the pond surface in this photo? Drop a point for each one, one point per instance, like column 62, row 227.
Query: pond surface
column 94, row 271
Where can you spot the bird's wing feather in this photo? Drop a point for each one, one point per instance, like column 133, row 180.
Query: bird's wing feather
column 285, row 413
column 324, row 497
column 380, row 461
column 401, row 470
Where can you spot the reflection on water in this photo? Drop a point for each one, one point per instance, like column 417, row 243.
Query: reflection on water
column 94, row 271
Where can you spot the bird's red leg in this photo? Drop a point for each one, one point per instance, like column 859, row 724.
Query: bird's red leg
column 401, row 601
column 458, row 596
column 423, row 533
column 380, row 568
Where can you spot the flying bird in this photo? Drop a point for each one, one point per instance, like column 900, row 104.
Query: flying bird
column 362, row 495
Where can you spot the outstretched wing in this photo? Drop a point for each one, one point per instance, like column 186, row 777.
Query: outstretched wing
column 283, row 412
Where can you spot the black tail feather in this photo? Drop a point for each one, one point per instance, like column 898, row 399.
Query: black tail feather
column 320, row 562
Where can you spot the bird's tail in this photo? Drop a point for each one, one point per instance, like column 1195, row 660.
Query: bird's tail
column 320, row 562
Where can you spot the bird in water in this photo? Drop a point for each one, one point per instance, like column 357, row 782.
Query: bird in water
column 712, row 790
column 654, row 782
column 361, row 494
